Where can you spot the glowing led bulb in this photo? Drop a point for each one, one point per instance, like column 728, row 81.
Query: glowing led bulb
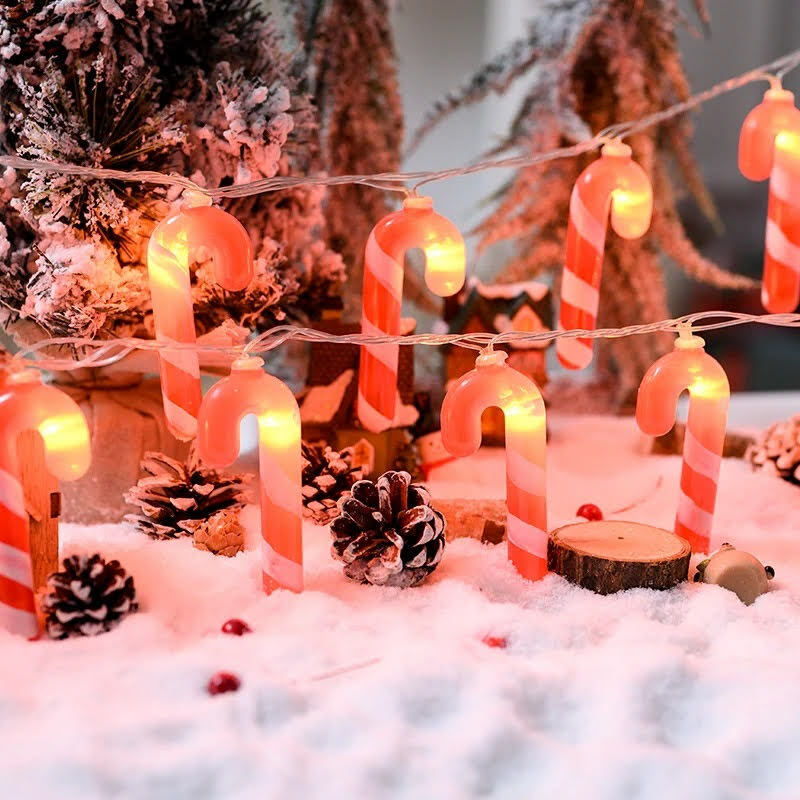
column 689, row 367
column 169, row 253
column 26, row 404
column 250, row 390
column 416, row 225
column 769, row 147
column 494, row 383
column 614, row 186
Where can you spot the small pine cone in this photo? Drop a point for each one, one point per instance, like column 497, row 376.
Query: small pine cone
column 327, row 475
column 175, row 498
column 408, row 459
column 90, row 596
column 387, row 533
column 777, row 450
column 221, row 534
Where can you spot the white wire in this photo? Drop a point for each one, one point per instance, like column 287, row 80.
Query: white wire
column 387, row 180
column 107, row 352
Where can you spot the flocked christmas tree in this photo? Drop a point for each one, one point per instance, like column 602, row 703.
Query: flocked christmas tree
column 204, row 89
column 589, row 64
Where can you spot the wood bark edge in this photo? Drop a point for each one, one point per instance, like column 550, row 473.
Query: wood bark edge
column 604, row 574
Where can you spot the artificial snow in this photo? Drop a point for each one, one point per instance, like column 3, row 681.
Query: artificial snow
column 353, row 691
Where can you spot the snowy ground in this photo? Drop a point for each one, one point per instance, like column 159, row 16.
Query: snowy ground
column 356, row 692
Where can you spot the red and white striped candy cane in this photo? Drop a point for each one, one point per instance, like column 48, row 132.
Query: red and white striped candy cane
column 172, row 245
column 250, row 390
column 26, row 404
column 416, row 225
column 614, row 182
column 769, row 147
column 494, row 383
column 689, row 367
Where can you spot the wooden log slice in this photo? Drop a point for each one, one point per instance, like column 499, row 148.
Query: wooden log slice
column 611, row 555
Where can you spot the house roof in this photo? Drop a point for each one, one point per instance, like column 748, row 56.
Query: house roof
column 495, row 306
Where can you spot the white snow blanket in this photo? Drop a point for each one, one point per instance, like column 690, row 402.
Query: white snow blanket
column 351, row 691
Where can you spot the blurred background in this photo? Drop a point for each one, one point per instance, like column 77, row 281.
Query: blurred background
column 438, row 49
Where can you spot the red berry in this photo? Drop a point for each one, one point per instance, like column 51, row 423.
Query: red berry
column 222, row 682
column 236, row 627
column 590, row 511
column 495, row 641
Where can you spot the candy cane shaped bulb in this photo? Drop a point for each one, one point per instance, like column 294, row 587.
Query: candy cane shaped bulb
column 416, row 225
column 769, row 147
column 616, row 187
column 689, row 367
column 26, row 404
column 493, row 383
column 250, row 390
column 172, row 245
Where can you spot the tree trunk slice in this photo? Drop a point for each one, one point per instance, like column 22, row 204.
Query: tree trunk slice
column 612, row 555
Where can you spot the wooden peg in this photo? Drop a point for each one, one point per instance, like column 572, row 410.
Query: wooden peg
column 43, row 504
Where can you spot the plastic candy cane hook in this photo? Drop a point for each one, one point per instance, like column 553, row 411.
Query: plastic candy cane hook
column 27, row 404
column 617, row 183
column 416, row 225
column 169, row 252
column 769, row 147
column 493, row 383
column 688, row 366
column 250, row 390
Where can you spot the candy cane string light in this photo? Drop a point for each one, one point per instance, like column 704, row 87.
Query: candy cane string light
column 613, row 185
column 250, row 390
column 416, row 225
column 689, row 367
column 769, row 147
column 494, row 383
column 26, row 404
column 172, row 245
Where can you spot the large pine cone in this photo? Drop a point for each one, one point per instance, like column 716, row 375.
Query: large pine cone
column 327, row 475
column 176, row 498
column 89, row 597
column 387, row 533
column 778, row 450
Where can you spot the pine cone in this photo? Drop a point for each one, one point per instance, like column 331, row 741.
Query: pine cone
column 221, row 534
column 777, row 450
column 327, row 475
column 175, row 498
column 89, row 597
column 387, row 533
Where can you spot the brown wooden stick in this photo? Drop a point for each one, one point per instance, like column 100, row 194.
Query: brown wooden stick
column 43, row 504
column 611, row 555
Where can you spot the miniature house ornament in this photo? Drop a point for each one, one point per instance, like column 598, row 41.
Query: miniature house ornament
column 493, row 383
column 613, row 185
column 250, row 390
column 769, row 147
column 416, row 225
column 170, row 250
column 689, row 367
column 26, row 404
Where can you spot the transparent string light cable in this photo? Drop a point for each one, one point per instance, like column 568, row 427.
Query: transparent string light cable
column 107, row 352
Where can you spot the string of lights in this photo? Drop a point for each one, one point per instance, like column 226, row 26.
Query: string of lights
column 399, row 181
column 106, row 352
column 92, row 353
